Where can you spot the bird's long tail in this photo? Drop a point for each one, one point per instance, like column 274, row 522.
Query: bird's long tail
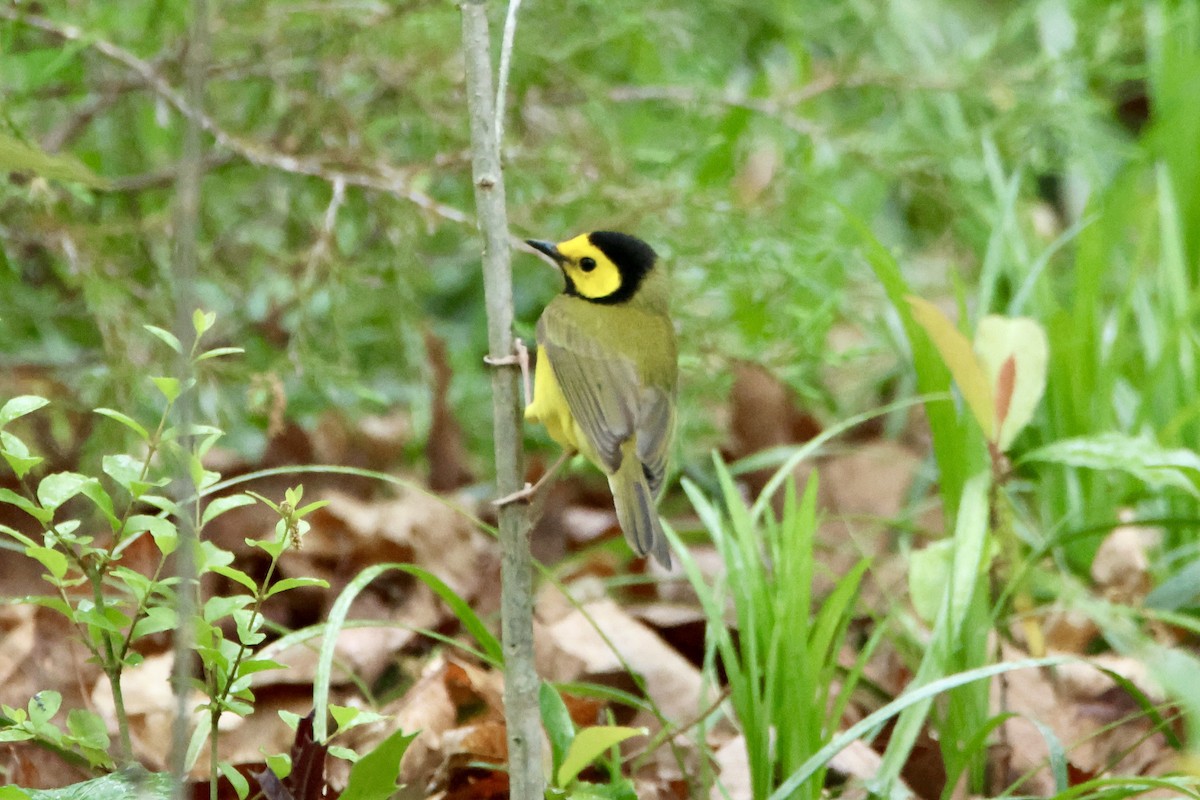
column 636, row 510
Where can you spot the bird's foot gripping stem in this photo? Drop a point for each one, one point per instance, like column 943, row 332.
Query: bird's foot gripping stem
column 519, row 358
column 527, row 494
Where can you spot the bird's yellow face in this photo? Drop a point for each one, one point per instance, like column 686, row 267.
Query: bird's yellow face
column 603, row 267
column 593, row 274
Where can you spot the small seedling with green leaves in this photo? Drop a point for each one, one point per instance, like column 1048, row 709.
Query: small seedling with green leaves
column 113, row 606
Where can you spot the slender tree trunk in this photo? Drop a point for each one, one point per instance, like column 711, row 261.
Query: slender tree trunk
column 183, row 281
column 520, row 677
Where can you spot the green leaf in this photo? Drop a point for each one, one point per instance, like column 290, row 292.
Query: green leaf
column 343, row 715
column 279, row 763
column 202, row 322
column 209, row 555
column 240, row 784
column 26, row 505
column 304, row 511
column 19, row 459
column 42, row 706
column 124, row 469
column 138, row 584
column 19, row 156
column 235, row 575
column 913, row 696
column 344, row 753
column 132, row 782
column 928, row 574
column 218, row 608
column 169, row 387
column 94, row 491
column 248, row 624
column 1140, row 457
column 556, row 719
column 20, row 406
column 88, row 728
column 272, row 547
column 59, row 487
column 13, row 793
column 156, row 620
column 1014, row 354
column 373, row 777
column 16, row 534
column 171, row 339
column 961, row 360
column 163, row 531
column 251, row 665
column 127, row 421
column 222, row 504
column 294, row 583
column 217, row 352
column 107, row 619
column 1179, row 590
column 54, row 561
column 588, row 745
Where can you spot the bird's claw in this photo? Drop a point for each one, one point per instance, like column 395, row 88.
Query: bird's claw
column 519, row 496
column 520, row 358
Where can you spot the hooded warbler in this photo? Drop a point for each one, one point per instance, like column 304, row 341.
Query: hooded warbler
column 606, row 372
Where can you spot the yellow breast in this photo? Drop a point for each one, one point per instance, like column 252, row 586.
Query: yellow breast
column 549, row 407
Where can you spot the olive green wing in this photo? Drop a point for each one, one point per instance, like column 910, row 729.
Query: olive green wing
column 655, row 424
column 606, row 396
column 600, row 386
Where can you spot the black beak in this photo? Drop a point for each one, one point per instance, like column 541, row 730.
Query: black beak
column 548, row 249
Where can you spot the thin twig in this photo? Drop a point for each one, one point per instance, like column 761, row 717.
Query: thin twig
column 162, row 178
column 522, row 719
column 506, row 46
column 386, row 178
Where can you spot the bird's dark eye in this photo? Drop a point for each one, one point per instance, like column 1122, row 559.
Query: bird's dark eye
column 587, row 263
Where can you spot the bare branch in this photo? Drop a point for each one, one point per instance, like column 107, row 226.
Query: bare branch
column 523, row 721
column 162, row 178
column 386, row 178
column 506, row 46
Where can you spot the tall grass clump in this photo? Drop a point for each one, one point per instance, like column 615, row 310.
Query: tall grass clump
column 786, row 687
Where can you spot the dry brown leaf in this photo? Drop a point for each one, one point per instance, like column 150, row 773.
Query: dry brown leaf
column 1121, row 568
column 412, row 528
column 18, row 635
column 474, row 689
column 369, row 442
column 764, row 413
column 1069, row 630
column 734, row 778
column 445, row 449
column 578, row 651
column 1031, row 695
column 464, row 748
column 53, row 660
column 872, row 480
column 365, row 652
column 32, row 767
column 1081, row 705
column 857, row 760
column 1083, row 683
